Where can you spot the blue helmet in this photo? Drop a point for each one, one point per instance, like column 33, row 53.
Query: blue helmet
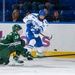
column 42, row 13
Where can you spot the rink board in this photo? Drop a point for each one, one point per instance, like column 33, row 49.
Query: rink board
column 63, row 39
column 63, row 36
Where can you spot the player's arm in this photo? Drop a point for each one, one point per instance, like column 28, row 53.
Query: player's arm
column 6, row 39
column 45, row 24
column 27, row 19
column 36, row 31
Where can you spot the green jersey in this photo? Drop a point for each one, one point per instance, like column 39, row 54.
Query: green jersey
column 5, row 50
column 11, row 37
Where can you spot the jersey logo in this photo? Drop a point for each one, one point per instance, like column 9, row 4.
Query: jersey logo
column 16, row 37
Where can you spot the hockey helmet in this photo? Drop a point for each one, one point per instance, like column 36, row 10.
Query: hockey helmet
column 42, row 13
column 16, row 27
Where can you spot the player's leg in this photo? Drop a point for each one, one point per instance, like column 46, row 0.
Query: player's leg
column 25, row 51
column 39, row 51
column 1, row 61
column 31, row 45
column 15, row 57
column 27, row 54
column 4, row 55
column 20, row 50
column 4, row 61
column 38, row 46
column 35, row 44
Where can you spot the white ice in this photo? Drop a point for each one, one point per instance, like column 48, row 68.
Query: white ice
column 42, row 66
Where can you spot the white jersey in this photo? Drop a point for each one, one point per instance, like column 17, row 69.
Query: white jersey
column 33, row 18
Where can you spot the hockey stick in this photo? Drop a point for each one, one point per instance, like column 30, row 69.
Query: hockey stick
column 49, row 38
column 56, row 55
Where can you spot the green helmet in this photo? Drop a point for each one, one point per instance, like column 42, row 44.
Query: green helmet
column 16, row 27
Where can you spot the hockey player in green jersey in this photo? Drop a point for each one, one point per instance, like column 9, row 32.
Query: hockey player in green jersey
column 11, row 43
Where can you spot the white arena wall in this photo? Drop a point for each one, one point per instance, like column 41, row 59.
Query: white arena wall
column 63, row 36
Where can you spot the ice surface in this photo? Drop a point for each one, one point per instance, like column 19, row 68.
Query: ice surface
column 42, row 66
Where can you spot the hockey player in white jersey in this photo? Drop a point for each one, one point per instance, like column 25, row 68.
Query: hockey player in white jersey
column 35, row 24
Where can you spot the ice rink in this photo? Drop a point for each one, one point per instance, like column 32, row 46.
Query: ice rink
column 42, row 66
